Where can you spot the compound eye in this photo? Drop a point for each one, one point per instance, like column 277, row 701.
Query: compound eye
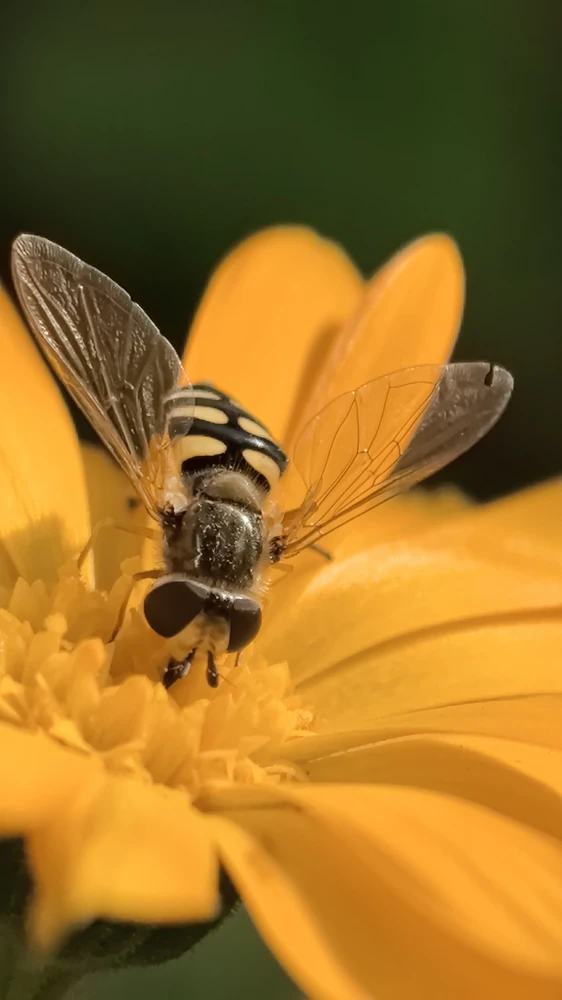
column 173, row 604
column 245, row 621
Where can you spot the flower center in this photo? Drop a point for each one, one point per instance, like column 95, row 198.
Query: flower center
column 61, row 671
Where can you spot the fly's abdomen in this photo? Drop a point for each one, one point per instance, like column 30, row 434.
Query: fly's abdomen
column 210, row 430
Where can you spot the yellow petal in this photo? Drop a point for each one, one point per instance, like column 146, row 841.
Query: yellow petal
column 111, row 495
column 534, row 719
column 410, row 315
column 452, row 594
column 524, row 526
column 37, row 777
column 521, row 781
column 43, row 503
column 267, row 315
column 387, row 610
column 487, row 879
column 287, row 912
column 395, row 893
column 445, row 668
column 122, row 851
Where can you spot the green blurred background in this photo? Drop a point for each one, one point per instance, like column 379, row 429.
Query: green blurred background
column 148, row 138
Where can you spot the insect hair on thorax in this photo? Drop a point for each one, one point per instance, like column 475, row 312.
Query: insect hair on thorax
column 229, row 485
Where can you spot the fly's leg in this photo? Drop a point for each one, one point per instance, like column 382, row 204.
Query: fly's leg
column 277, row 548
column 109, row 522
column 212, row 672
column 145, row 574
column 321, row 552
column 175, row 671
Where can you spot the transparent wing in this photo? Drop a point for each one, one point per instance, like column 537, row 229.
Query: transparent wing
column 112, row 359
column 379, row 440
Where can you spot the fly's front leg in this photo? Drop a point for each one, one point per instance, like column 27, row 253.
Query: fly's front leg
column 132, row 529
column 212, row 673
column 176, row 670
column 145, row 574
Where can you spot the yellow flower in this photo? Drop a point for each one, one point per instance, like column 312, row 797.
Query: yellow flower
column 381, row 776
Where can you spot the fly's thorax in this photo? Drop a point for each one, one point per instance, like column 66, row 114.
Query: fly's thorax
column 218, row 540
column 228, row 485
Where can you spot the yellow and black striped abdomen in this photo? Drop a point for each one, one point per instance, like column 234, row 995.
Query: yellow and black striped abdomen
column 208, row 429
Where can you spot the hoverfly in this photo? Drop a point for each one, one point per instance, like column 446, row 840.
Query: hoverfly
column 205, row 468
